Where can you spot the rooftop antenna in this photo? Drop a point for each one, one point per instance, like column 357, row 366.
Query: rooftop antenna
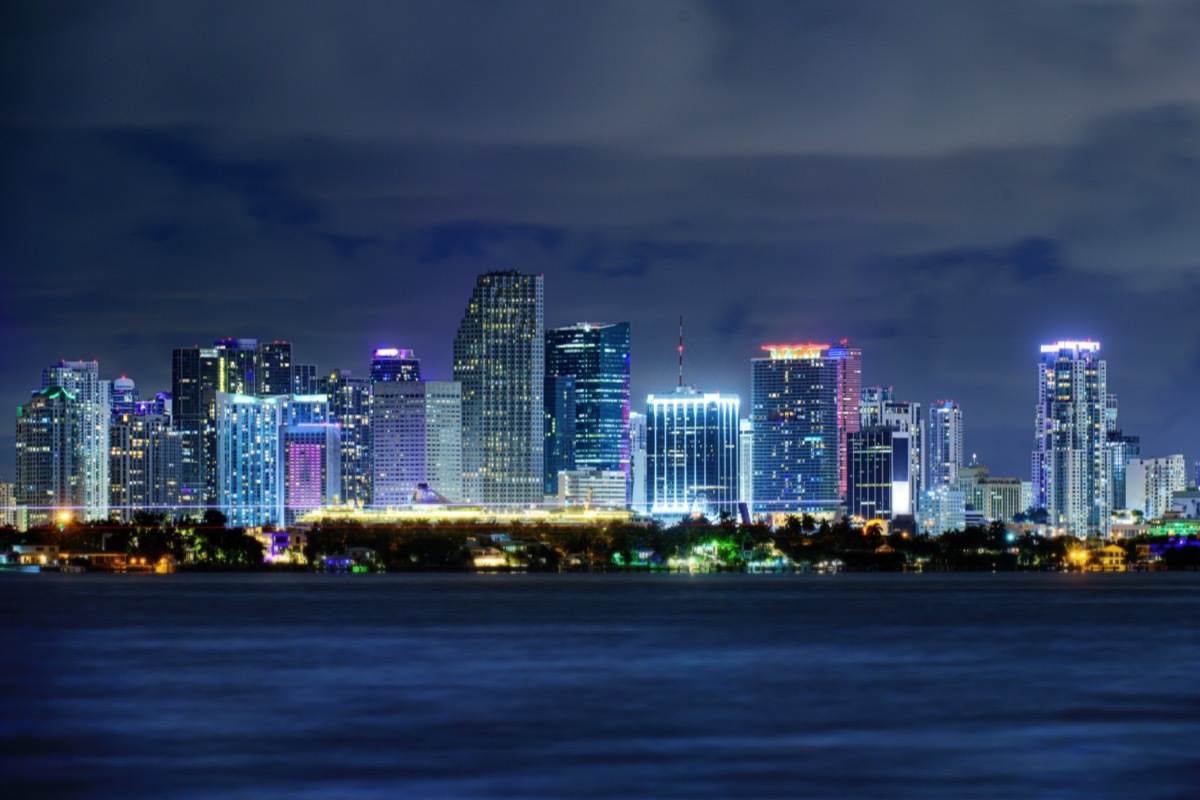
column 681, row 351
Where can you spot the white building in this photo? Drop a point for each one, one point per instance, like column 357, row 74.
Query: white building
column 943, row 510
column 1150, row 484
column 593, row 488
column 637, row 461
column 417, row 437
column 945, row 451
column 250, row 477
column 746, row 460
column 93, row 407
column 880, row 407
column 692, row 453
column 1070, row 467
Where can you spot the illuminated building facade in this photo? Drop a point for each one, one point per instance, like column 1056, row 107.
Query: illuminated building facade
column 1150, row 484
column 559, row 450
column 390, row 364
column 250, row 476
column 311, row 448
column 945, row 443
column 145, row 465
column 637, row 461
column 305, row 379
column 880, row 407
column 273, row 371
column 350, row 407
column 49, row 459
column 592, row 488
column 746, row 461
column 93, row 410
column 194, row 371
column 1070, row 470
column 795, row 395
column 943, row 509
column 691, row 453
column 849, row 396
column 417, row 432
column 11, row 515
column 499, row 359
column 1119, row 450
column 596, row 358
column 879, row 474
column 123, row 397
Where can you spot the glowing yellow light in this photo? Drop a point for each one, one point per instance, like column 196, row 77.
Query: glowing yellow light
column 64, row 516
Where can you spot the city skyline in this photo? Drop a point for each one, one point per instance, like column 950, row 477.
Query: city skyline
column 850, row 175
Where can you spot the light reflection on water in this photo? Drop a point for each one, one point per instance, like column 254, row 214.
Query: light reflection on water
column 964, row 686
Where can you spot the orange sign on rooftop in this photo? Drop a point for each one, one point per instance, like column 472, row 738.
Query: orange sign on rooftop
column 778, row 351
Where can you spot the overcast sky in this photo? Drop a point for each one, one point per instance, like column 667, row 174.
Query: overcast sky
column 947, row 184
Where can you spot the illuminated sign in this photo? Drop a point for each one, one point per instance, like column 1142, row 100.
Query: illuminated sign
column 1086, row 346
column 792, row 351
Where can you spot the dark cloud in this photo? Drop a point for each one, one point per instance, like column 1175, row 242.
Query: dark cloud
column 946, row 183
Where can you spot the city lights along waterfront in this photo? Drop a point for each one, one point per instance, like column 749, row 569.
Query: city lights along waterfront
column 536, row 457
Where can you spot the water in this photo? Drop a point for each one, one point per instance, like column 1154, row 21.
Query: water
column 525, row 686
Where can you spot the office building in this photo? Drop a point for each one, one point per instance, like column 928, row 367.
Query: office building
column 195, row 375
column 417, row 433
column 350, row 407
column 637, row 461
column 123, row 397
column 692, row 453
column 11, row 515
column 849, row 396
column 879, row 406
column 880, row 477
column 1120, row 449
column 273, row 370
column 310, row 455
column 592, row 488
column 1070, row 470
column 393, row 364
column 746, row 461
column 499, row 359
column 92, row 405
column 305, row 379
column 595, row 356
column 250, row 477
column 795, row 410
column 559, row 448
column 945, row 450
column 943, row 509
column 1150, row 484
column 145, row 465
column 49, row 458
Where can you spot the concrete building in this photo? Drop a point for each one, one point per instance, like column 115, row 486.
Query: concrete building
column 417, row 438
column 943, row 509
column 746, row 461
column 637, row 461
column 691, row 453
column 499, row 359
column 1070, row 468
column 1150, row 484
column 592, row 488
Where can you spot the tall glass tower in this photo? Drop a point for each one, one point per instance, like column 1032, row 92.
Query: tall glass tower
column 796, row 410
column 93, row 407
column 499, row 358
column 393, row 364
column 1070, row 470
column 945, row 443
column 350, row 407
column 691, row 453
column 596, row 357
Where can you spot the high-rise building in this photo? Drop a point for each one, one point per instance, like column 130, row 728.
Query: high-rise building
column 1151, row 482
column 596, row 358
column 11, row 515
column 145, row 465
column 593, row 488
column 305, row 379
column 1119, row 449
column 93, row 407
column 994, row 498
column 880, row 407
column 499, row 358
column 746, row 461
column 692, row 453
column 49, row 459
column 559, row 449
column 123, row 397
column 943, row 509
column 880, row 477
column 350, row 407
column 239, row 366
column 945, row 450
column 273, row 371
column 250, row 476
column 1070, row 471
column 310, row 455
column 392, row 364
column 796, row 414
column 416, row 429
column 637, row 461
column 195, row 378
column 849, row 395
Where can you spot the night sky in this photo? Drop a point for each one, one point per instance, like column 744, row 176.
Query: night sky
column 947, row 184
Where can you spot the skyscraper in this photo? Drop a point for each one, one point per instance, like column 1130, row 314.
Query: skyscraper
column 596, row 358
column 1070, row 471
column 849, row 395
column 350, row 407
column 250, row 478
column 796, row 413
column 1119, row 449
column 1150, row 483
column 880, row 407
column 945, row 443
column 637, row 461
column 692, row 453
column 416, row 430
column 195, row 376
column 559, row 449
column 880, row 477
column 145, row 464
column 310, row 456
column 49, row 458
column 273, row 372
column 305, row 379
column 392, row 364
column 92, row 405
column 499, row 358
